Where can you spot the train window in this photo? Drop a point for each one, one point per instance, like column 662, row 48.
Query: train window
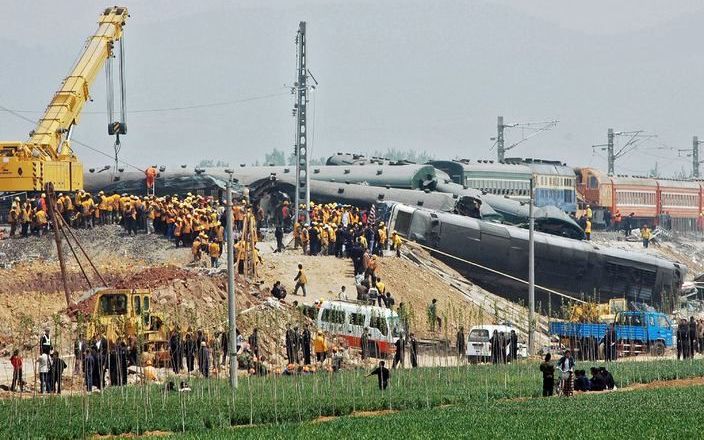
column 593, row 183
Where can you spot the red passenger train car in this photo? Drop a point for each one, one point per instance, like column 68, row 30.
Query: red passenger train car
column 676, row 204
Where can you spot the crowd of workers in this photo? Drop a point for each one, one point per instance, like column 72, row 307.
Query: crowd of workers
column 626, row 224
column 570, row 379
column 343, row 230
column 192, row 221
column 690, row 337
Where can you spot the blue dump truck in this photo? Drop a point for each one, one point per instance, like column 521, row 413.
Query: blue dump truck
column 636, row 333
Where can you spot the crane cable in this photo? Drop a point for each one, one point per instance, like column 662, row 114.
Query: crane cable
column 492, row 270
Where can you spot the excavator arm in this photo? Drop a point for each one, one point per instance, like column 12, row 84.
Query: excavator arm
column 47, row 156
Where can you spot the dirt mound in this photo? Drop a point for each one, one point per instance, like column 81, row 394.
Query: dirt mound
column 152, row 277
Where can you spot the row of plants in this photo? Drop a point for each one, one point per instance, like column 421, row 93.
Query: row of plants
column 292, row 399
column 648, row 413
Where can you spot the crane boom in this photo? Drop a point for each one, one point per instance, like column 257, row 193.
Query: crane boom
column 47, row 156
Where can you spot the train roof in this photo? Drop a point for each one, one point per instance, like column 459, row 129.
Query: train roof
column 625, row 179
column 542, row 166
column 396, row 176
column 542, row 238
column 482, row 167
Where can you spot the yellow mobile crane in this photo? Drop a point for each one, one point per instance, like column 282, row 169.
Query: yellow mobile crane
column 47, row 155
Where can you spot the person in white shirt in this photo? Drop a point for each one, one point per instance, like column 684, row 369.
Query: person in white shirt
column 44, row 368
column 342, row 296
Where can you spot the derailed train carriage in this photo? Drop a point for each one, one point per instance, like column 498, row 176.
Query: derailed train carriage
column 576, row 269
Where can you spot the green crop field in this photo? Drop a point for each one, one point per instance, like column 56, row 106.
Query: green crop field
column 644, row 414
column 285, row 400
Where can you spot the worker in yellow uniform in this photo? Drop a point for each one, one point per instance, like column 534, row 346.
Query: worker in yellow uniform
column 588, row 229
column 195, row 249
column 87, row 207
column 14, row 216
column 589, row 212
column 41, row 222
column 323, row 234
column 301, row 280
column 296, row 235
column 102, row 215
column 382, row 238
column 332, row 239
column 305, row 238
column 396, row 242
column 320, row 346
column 214, row 251
column 646, row 235
column 381, row 288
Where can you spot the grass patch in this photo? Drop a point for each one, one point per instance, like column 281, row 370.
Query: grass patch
column 282, row 400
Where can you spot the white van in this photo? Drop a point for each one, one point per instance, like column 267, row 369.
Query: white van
column 347, row 319
column 479, row 347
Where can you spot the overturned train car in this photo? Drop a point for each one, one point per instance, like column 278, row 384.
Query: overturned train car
column 576, row 269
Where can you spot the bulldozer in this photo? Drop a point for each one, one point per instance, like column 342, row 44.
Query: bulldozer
column 125, row 314
column 594, row 312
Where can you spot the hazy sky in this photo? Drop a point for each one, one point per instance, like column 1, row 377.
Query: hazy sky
column 426, row 75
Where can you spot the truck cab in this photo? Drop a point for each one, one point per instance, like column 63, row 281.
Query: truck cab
column 640, row 332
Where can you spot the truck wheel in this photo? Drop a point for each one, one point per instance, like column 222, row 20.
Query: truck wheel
column 657, row 349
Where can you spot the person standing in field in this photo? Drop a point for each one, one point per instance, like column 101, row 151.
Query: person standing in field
column 461, row 347
column 254, row 341
column 88, row 369
column 189, row 349
column 320, row 347
column 383, row 374
column 548, row 371
column 400, row 355
column 56, row 372
column 364, row 343
column 204, row 360
column 16, row 361
column 45, row 342
column 305, row 343
column 513, row 344
column 175, row 351
column 413, row 343
column 291, row 344
column 301, row 281
column 692, row 336
column 566, row 367
column 44, row 369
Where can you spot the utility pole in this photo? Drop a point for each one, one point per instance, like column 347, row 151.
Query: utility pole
column 610, row 151
column 695, row 157
column 535, row 128
column 635, row 138
column 531, row 273
column 301, row 90
column 500, row 139
column 231, row 304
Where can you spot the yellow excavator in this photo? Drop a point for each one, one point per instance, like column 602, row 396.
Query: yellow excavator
column 47, row 156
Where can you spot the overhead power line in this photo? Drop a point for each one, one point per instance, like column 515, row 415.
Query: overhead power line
column 73, row 141
column 173, row 108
